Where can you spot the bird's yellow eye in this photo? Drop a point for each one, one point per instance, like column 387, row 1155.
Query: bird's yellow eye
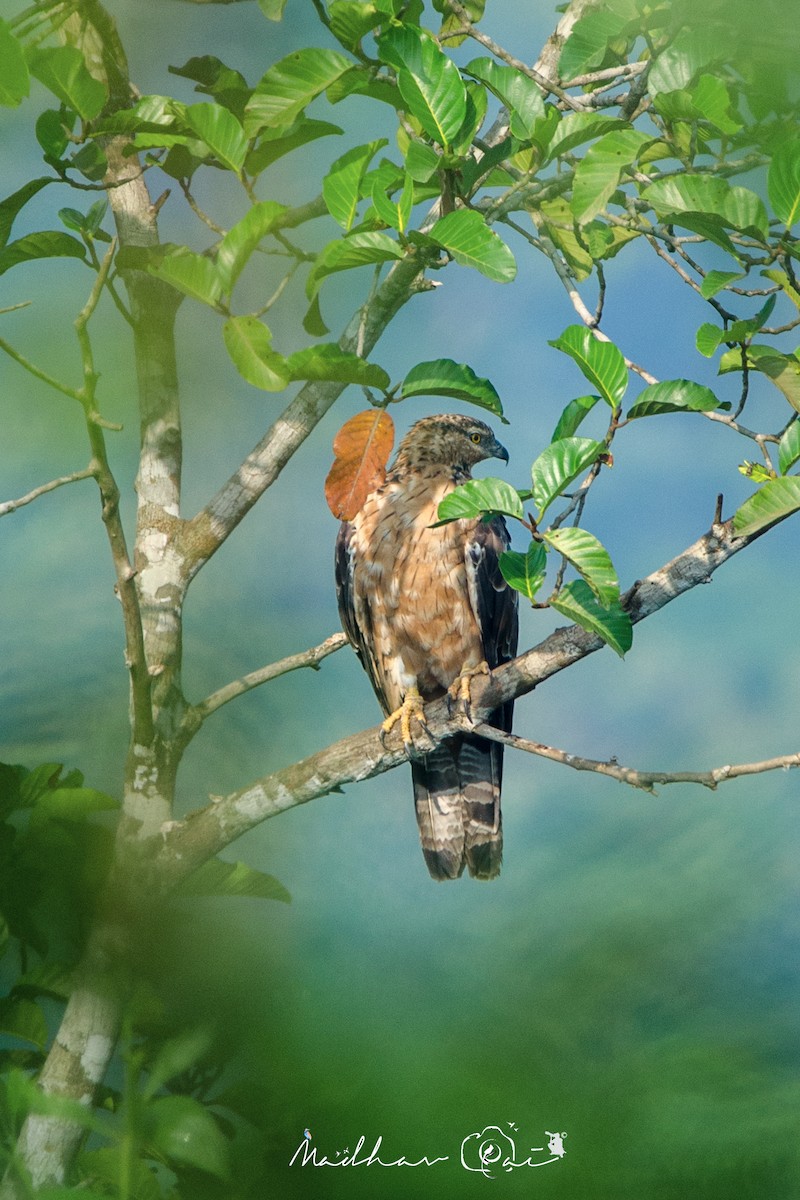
column 475, row 437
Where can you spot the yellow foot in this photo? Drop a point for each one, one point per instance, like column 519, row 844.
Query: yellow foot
column 412, row 709
column 460, row 689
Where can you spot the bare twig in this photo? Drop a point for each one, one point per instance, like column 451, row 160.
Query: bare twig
column 611, row 73
column 38, row 373
column 10, row 506
column 645, row 780
column 197, row 714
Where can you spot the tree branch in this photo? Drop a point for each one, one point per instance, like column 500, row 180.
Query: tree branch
column 363, row 755
column 634, row 778
column 9, row 506
column 197, row 713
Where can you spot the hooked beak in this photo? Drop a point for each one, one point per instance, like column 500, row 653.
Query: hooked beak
column 499, row 451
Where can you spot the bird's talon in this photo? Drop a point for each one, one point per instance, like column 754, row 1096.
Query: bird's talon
column 412, row 709
column 459, row 691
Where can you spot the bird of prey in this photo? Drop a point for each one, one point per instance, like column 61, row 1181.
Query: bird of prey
column 426, row 609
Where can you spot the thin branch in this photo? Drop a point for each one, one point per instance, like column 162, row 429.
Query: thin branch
column 126, row 576
column 589, row 319
column 612, row 73
column 483, row 39
column 198, row 211
column 10, row 506
column 38, row 373
column 366, row 754
column 645, row 780
column 198, row 713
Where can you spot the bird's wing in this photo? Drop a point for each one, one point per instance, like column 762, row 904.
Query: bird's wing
column 355, row 617
column 494, row 603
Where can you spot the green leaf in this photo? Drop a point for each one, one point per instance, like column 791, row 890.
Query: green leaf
column 444, row 377
column 47, row 244
column 62, row 70
column 38, row 781
column 559, row 225
column 351, row 20
column 106, row 1167
column 178, row 1054
column 710, row 337
column 756, row 471
column 313, row 322
column 272, row 9
column 598, row 174
column 576, row 128
column 480, row 496
column 429, row 81
column 221, row 132
column 572, row 416
column 606, row 241
column 785, row 284
column 241, row 240
column 770, row 503
column 678, row 64
column 585, row 48
column 14, row 80
column 789, row 447
column 190, row 273
column 524, row 572
column 558, row 465
column 601, row 362
column 249, row 343
column 422, row 161
column 52, row 132
column 275, row 143
column 330, row 363
column 715, row 281
column 219, row 878
column 291, row 84
column 16, row 201
column 341, row 187
column 677, row 194
column 782, row 369
column 394, row 211
column 681, row 196
column 466, row 236
column 673, row 395
column 519, row 94
column 23, row 1019
column 745, row 211
column 90, row 161
column 576, row 602
column 186, row 1132
column 72, row 804
column 477, row 107
column 354, row 251
column 783, row 182
column 590, row 558
column 711, row 100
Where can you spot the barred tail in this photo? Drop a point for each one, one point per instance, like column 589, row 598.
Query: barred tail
column 457, row 800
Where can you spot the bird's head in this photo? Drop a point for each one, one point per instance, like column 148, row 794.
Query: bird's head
column 448, row 440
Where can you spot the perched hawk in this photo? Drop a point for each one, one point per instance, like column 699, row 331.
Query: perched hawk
column 426, row 609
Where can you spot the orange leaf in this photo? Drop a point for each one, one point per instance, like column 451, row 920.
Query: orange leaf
column 362, row 448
